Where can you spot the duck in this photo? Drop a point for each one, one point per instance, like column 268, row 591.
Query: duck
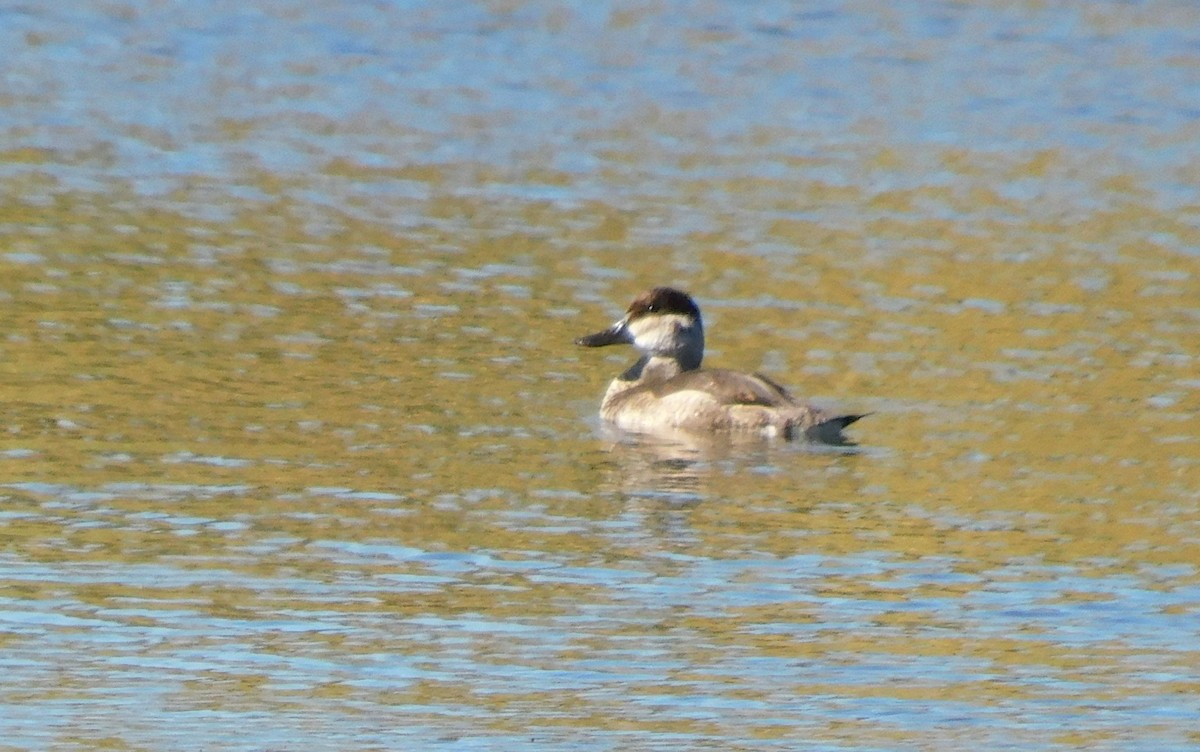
column 666, row 389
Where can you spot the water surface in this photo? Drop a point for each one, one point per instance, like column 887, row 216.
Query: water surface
column 297, row 453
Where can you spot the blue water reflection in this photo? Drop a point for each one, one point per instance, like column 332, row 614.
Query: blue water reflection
column 160, row 93
column 636, row 640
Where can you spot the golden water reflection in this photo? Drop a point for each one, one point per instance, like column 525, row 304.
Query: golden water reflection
column 281, row 475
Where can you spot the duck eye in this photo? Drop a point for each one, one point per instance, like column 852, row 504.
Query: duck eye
column 653, row 307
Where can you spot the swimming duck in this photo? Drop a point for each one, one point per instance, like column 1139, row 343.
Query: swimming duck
column 667, row 389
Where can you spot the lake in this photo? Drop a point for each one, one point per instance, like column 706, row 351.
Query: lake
column 298, row 453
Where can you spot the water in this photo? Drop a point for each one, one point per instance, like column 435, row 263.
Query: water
column 297, row 453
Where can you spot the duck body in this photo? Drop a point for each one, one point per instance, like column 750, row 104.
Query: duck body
column 668, row 389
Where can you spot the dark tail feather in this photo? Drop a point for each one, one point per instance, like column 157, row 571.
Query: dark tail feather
column 830, row 431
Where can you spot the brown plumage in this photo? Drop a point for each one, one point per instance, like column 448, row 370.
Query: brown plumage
column 667, row 389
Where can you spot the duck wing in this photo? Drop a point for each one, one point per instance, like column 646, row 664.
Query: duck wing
column 726, row 387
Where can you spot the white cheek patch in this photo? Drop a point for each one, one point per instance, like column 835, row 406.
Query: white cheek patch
column 657, row 333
